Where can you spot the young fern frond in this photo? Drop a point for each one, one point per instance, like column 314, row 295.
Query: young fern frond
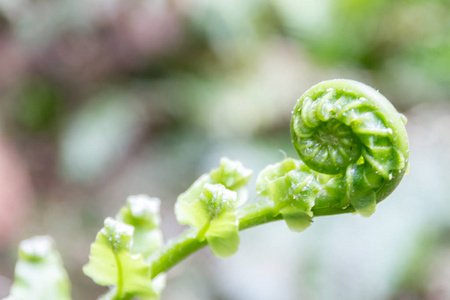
column 354, row 152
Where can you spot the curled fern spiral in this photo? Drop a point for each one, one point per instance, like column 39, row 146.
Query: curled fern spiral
column 353, row 140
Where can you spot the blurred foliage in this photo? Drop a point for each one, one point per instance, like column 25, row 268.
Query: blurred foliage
column 39, row 107
column 106, row 99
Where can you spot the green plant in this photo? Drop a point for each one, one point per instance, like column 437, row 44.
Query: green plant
column 354, row 150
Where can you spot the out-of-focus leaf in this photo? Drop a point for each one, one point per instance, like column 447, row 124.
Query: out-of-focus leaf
column 39, row 106
column 40, row 274
column 98, row 136
column 142, row 212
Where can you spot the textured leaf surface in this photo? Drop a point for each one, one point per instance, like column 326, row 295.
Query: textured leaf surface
column 111, row 262
column 348, row 130
column 213, row 214
column 230, row 174
column 293, row 188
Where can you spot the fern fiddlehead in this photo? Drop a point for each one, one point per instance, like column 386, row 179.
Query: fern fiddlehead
column 350, row 135
column 353, row 149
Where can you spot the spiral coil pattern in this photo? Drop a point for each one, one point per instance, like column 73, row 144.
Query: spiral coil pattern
column 353, row 140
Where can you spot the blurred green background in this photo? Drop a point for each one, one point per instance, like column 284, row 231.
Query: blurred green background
column 104, row 99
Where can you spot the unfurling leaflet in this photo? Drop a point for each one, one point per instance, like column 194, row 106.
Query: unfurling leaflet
column 209, row 206
column 292, row 188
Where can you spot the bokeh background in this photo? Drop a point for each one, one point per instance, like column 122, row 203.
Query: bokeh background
column 108, row 98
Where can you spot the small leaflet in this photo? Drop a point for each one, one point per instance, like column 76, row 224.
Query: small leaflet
column 213, row 214
column 231, row 174
column 112, row 263
column 365, row 204
column 292, row 190
column 360, row 191
column 38, row 259
column 142, row 212
column 209, row 205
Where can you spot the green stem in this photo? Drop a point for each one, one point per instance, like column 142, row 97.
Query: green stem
column 119, row 278
column 257, row 214
column 175, row 251
column 249, row 216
